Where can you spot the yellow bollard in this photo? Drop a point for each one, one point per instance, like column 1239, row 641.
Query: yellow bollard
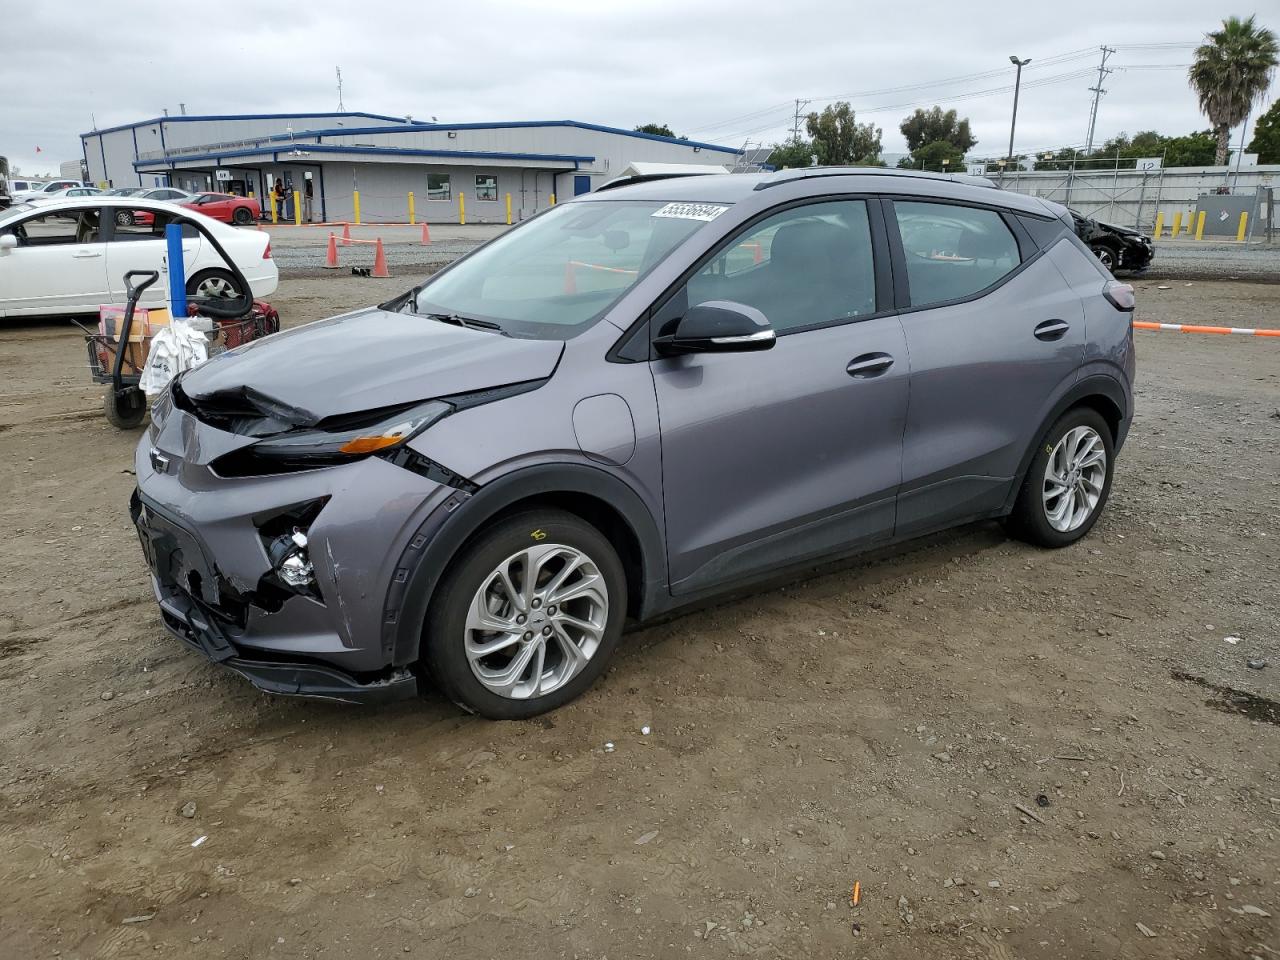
column 412, row 219
column 1244, row 222
column 553, row 199
column 508, row 209
column 1159, row 225
column 1177, row 225
column 250, row 194
column 274, row 216
column 355, row 200
column 1200, row 226
column 462, row 208
column 297, row 210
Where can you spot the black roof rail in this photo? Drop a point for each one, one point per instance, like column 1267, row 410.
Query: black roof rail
column 647, row 177
column 802, row 173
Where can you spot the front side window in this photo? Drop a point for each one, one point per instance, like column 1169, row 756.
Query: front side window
column 486, row 187
column 558, row 273
column 439, row 187
column 953, row 252
column 807, row 266
column 63, row 227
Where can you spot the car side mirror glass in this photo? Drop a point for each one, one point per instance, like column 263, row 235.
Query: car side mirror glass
column 718, row 326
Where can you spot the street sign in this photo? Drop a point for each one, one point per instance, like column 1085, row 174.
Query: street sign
column 1149, row 163
column 221, row 175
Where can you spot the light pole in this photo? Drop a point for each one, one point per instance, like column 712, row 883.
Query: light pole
column 1017, row 83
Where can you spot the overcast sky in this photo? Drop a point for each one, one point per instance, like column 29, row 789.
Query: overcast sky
column 718, row 70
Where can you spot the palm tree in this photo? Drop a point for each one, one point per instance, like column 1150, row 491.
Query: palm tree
column 1231, row 72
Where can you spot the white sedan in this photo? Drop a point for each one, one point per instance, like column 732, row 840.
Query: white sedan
column 70, row 256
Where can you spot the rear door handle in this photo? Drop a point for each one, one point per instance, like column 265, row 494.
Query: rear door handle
column 86, row 254
column 869, row 365
column 1051, row 329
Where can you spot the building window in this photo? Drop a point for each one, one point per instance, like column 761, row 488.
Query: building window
column 486, row 187
column 438, row 187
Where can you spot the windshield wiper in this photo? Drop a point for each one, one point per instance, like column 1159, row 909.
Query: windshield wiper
column 471, row 322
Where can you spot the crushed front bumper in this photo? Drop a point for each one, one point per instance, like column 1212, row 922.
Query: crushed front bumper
column 179, row 563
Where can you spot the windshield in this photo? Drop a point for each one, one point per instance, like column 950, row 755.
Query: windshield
column 559, row 273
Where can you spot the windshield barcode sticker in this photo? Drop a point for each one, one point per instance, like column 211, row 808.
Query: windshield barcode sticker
column 691, row 211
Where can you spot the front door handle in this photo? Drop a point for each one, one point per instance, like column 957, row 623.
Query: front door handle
column 86, row 254
column 1051, row 329
column 869, row 365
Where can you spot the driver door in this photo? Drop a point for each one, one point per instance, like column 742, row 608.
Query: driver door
column 59, row 265
column 795, row 452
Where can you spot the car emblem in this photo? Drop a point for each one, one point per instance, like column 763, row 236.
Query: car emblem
column 159, row 462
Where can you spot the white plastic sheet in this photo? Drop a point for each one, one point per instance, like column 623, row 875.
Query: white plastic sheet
column 174, row 348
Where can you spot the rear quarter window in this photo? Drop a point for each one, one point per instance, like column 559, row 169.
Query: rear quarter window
column 953, row 252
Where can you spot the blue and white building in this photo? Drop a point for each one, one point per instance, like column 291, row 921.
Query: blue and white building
column 447, row 166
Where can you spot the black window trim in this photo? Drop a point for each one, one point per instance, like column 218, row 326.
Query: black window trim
column 628, row 347
column 902, row 290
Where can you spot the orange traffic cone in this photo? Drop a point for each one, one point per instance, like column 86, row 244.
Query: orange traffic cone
column 426, row 234
column 379, row 262
column 346, row 234
column 331, row 259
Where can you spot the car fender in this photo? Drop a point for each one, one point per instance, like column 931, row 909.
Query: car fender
column 1088, row 385
column 440, row 536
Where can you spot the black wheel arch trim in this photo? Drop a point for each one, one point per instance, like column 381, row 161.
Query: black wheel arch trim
column 447, row 528
column 1092, row 385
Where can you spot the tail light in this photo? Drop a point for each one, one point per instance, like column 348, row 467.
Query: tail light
column 1120, row 295
column 266, row 254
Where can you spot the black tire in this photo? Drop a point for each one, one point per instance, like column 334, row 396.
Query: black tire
column 126, row 410
column 1029, row 520
column 444, row 657
column 124, row 218
column 193, row 285
column 242, row 216
column 1106, row 255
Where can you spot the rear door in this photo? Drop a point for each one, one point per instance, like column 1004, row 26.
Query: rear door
column 59, row 265
column 795, row 452
column 140, row 245
column 995, row 335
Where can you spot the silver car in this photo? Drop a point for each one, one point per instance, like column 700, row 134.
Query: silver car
column 639, row 399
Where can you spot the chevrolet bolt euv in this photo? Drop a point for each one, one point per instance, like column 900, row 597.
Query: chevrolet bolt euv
column 645, row 397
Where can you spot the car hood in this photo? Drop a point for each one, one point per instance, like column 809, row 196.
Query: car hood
column 1122, row 231
column 365, row 361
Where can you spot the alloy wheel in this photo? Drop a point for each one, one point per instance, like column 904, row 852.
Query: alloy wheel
column 536, row 621
column 215, row 287
column 1074, row 478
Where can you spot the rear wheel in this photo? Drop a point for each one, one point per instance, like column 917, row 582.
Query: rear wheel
column 1068, row 482
column 527, row 616
column 125, row 409
column 242, row 216
column 213, row 284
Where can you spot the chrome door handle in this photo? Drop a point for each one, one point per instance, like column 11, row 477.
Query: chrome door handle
column 869, row 365
column 1051, row 329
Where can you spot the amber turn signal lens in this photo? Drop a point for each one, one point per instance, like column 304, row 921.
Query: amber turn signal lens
column 370, row 444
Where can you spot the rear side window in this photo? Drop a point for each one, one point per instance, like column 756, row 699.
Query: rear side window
column 953, row 252
column 1045, row 233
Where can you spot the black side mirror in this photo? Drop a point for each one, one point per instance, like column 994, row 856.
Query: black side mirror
column 718, row 326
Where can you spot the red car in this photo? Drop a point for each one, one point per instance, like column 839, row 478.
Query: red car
column 226, row 207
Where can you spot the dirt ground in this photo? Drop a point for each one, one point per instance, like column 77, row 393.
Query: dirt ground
column 877, row 724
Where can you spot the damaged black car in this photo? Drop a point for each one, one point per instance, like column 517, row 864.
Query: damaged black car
column 1118, row 248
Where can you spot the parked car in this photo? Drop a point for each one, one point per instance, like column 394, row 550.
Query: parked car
column 69, row 256
column 639, row 399
column 125, row 191
column 43, row 189
column 63, row 194
column 1118, row 248
column 226, row 207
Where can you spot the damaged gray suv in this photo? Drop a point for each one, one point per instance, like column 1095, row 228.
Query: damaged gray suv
column 642, row 398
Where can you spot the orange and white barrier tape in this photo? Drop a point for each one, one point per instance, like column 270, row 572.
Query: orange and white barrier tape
column 1193, row 328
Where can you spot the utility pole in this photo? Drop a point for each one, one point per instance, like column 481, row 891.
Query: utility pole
column 1017, row 84
column 341, row 107
column 795, row 125
column 1097, row 92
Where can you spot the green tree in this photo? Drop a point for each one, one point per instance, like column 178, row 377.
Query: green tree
column 657, row 129
column 1266, row 136
column 925, row 127
column 1193, row 150
column 1230, row 73
column 932, row 156
column 839, row 140
column 793, row 153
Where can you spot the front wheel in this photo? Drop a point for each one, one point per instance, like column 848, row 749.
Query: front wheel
column 527, row 616
column 124, row 218
column 1106, row 256
column 1068, row 482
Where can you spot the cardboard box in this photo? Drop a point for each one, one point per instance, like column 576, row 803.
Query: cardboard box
column 146, row 322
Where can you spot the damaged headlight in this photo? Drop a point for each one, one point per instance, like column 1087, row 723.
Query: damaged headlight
column 339, row 440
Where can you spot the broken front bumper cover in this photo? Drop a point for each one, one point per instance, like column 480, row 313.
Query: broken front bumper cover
column 190, row 620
